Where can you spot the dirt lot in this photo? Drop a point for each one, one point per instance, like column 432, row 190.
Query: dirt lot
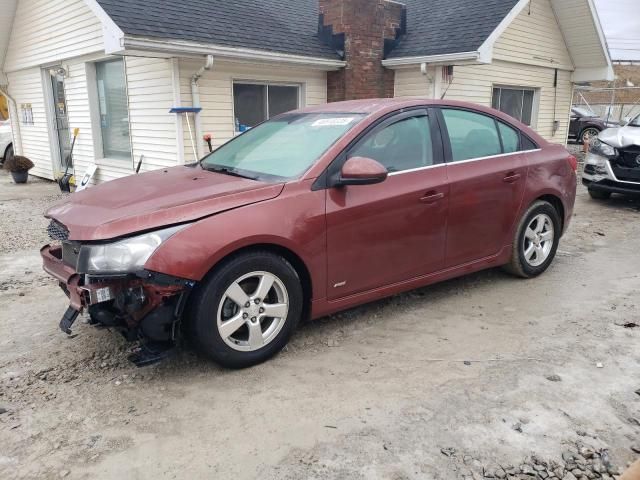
column 486, row 375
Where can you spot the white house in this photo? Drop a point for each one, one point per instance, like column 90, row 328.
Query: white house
column 114, row 69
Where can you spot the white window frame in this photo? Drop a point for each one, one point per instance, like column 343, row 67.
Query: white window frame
column 94, row 111
column 535, row 107
column 267, row 83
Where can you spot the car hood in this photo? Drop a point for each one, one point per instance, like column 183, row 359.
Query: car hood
column 621, row 137
column 154, row 200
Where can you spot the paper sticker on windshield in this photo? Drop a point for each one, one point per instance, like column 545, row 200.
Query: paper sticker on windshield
column 333, row 122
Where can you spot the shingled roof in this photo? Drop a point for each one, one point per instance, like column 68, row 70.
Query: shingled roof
column 438, row 27
column 290, row 26
column 282, row 26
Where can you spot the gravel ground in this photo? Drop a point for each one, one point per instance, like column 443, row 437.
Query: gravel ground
column 485, row 376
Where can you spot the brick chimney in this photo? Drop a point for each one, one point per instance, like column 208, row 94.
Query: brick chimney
column 364, row 30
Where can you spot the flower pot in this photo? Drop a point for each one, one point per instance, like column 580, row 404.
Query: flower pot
column 20, row 177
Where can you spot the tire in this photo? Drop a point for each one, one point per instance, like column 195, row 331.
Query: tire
column 588, row 133
column 226, row 330
column 523, row 262
column 599, row 195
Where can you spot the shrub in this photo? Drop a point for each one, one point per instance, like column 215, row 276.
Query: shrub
column 18, row 163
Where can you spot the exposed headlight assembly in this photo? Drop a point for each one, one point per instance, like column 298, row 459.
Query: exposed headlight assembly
column 124, row 256
column 602, row 149
column 598, row 156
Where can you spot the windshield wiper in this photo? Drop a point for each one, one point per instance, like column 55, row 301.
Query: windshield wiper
column 228, row 171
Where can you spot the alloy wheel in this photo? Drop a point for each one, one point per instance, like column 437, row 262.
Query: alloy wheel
column 538, row 240
column 252, row 311
column 589, row 134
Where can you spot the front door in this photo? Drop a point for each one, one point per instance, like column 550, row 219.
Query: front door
column 487, row 174
column 61, row 120
column 393, row 231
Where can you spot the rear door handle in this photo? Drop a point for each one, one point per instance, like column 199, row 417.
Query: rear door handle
column 432, row 197
column 511, row 177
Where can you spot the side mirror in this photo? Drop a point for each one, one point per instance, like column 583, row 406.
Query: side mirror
column 362, row 171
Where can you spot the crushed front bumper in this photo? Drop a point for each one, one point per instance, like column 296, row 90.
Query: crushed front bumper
column 141, row 305
column 602, row 176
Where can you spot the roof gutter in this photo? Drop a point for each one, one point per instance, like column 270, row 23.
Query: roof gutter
column 445, row 59
column 181, row 48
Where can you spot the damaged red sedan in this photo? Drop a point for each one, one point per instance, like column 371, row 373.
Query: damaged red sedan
column 312, row 212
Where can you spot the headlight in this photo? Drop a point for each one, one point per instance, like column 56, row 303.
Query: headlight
column 602, row 149
column 123, row 256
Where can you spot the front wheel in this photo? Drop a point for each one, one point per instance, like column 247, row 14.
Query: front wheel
column 536, row 241
column 246, row 310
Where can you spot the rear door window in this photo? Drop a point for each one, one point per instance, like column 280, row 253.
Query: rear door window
column 510, row 138
column 472, row 135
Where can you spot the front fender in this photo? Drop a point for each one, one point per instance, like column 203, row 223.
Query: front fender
column 295, row 220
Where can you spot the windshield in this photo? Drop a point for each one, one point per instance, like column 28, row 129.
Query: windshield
column 583, row 112
column 282, row 148
column 635, row 122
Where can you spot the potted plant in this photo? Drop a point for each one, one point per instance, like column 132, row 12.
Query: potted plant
column 19, row 167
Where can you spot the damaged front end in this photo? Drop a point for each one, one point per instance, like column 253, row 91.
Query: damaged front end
column 612, row 164
column 107, row 280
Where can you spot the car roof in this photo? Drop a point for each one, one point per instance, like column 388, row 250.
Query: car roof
column 376, row 107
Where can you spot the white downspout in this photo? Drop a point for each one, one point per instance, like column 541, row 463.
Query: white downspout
column 15, row 121
column 195, row 100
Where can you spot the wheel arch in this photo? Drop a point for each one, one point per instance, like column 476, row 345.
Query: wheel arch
column 556, row 202
column 289, row 255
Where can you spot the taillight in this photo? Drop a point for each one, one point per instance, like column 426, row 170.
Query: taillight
column 573, row 161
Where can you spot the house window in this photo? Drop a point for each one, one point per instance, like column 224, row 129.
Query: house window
column 256, row 102
column 517, row 102
column 113, row 108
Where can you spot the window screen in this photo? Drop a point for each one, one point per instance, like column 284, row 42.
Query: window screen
column 472, row 135
column 517, row 102
column 114, row 112
column 254, row 103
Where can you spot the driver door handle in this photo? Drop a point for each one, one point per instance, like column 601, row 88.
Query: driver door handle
column 432, row 197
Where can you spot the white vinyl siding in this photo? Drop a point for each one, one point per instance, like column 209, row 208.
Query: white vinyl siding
column 525, row 56
column 153, row 128
column 52, row 30
column 26, row 87
column 410, row 82
column 216, row 93
column 474, row 83
column 75, row 87
column 534, row 38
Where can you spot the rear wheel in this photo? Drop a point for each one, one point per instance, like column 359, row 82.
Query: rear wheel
column 246, row 311
column 536, row 240
column 599, row 195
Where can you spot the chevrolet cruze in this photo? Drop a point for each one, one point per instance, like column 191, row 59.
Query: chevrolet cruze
column 312, row 212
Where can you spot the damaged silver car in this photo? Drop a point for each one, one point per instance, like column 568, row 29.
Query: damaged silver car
column 613, row 162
